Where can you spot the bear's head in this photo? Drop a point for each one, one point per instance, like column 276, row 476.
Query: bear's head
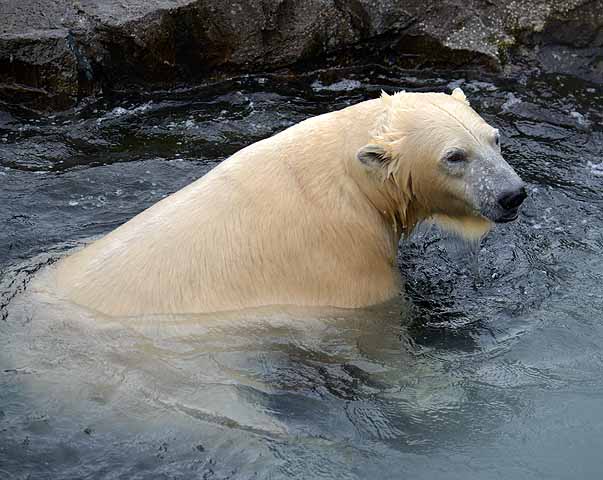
column 433, row 157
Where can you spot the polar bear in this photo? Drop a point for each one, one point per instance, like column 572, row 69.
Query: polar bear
column 311, row 216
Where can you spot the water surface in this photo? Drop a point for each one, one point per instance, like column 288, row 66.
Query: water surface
column 489, row 365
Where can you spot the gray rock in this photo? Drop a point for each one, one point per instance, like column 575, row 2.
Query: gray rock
column 54, row 52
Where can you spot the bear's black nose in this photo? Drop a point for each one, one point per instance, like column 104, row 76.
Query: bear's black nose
column 512, row 199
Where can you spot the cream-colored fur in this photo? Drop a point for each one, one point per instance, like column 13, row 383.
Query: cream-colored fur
column 293, row 219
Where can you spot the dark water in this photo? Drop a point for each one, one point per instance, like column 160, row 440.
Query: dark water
column 469, row 375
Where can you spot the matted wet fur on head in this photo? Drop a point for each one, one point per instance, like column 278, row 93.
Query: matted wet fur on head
column 436, row 159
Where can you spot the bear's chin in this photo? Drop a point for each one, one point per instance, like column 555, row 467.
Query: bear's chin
column 508, row 217
column 468, row 227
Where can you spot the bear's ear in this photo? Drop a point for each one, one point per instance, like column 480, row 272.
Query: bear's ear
column 373, row 155
column 460, row 95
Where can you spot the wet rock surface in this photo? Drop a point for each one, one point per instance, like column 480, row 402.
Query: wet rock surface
column 54, row 53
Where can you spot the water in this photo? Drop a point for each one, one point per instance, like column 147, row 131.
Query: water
column 489, row 365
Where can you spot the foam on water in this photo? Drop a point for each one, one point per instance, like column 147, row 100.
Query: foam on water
column 596, row 168
column 340, row 86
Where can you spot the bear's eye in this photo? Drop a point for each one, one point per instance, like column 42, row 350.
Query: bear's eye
column 455, row 156
column 497, row 138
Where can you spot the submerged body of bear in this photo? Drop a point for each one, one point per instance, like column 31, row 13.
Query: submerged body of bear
column 310, row 216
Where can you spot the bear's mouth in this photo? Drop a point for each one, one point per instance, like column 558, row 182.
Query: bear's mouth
column 508, row 216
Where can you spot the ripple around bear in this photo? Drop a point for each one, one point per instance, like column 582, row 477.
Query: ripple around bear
column 310, row 216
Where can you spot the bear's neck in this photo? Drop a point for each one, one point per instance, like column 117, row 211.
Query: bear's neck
column 399, row 208
column 401, row 212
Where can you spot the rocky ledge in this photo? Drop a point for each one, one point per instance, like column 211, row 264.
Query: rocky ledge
column 56, row 52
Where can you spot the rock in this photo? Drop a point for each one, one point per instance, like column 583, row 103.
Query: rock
column 570, row 41
column 55, row 52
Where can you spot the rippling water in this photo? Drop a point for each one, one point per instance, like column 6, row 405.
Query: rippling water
column 489, row 365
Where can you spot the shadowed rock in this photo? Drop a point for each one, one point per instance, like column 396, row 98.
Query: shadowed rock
column 54, row 52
